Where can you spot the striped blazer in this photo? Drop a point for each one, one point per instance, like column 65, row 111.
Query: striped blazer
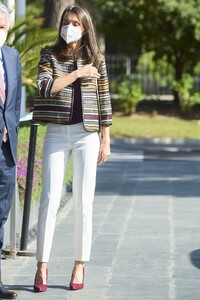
column 57, row 108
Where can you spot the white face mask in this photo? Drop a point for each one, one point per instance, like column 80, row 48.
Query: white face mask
column 3, row 37
column 70, row 33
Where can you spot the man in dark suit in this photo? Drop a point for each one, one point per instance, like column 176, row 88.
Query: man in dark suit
column 10, row 99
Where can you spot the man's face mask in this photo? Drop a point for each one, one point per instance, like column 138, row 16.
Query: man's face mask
column 3, row 37
column 70, row 33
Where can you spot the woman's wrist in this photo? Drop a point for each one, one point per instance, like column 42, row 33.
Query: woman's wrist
column 105, row 134
column 77, row 74
column 105, row 139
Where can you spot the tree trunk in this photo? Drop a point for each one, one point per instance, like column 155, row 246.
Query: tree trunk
column 53, row 10
column 178, row 76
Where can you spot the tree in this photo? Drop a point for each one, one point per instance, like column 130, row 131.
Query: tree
column 171, row 28
column 28, row 38
column 53, row 10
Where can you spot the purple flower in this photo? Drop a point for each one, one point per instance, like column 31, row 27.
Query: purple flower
column 22, row 171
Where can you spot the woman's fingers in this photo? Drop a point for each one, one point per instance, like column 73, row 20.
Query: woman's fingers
column 102, row 158
column 90, row 71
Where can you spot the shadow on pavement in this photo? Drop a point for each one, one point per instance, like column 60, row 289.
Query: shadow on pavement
column 29, row 288
column 195, row 258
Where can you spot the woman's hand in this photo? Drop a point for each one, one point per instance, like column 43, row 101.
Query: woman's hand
column 104, row 151
column 88, row 71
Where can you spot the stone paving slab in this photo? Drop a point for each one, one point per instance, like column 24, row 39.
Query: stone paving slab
column 146, row 237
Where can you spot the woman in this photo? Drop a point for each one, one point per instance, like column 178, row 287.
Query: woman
column 73, row 74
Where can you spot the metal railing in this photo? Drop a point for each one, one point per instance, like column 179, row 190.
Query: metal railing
column 153, row 83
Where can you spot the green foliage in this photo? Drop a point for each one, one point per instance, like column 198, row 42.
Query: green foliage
column 36, row 7
column 130, row 93
column 28, row 37
column 159, row 69
column 170, row 28
column 185, row 89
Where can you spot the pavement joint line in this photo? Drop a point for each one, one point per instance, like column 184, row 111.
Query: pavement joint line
column 105, row 217
column 129, row 216
column 171, row 268
column 111, row 205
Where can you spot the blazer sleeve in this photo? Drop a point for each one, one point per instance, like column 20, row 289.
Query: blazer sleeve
column 45, row 76
column 104, row 96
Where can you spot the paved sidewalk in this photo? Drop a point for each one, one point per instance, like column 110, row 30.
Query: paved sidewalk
column 146, row 240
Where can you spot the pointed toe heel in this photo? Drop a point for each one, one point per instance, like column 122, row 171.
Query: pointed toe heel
column 77, row 286
column 40, row 287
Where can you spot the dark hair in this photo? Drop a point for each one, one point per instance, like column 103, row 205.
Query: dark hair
column 89, row 41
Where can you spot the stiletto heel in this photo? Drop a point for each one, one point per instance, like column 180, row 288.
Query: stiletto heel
column 40, row 287
column 77, row 286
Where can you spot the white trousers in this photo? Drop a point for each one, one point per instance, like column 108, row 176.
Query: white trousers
column 60, row 141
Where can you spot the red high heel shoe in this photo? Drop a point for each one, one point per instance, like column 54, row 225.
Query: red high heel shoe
column 77, row 286
column 40, row 287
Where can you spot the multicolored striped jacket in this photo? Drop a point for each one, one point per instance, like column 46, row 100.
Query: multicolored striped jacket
column 57, row 108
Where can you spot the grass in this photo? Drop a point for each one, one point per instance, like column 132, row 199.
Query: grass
column 147, row 126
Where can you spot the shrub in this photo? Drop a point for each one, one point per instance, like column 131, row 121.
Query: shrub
column 130, row 93
column 187, row 96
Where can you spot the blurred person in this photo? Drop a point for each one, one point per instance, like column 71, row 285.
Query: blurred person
column 73, row 74
column 10, row 102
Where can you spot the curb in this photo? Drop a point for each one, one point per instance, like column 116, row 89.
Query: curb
column 170, row 144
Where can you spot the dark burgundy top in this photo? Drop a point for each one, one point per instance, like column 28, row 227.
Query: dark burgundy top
column 77, row 106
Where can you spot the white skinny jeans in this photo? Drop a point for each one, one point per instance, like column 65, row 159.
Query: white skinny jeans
column 60, row 141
